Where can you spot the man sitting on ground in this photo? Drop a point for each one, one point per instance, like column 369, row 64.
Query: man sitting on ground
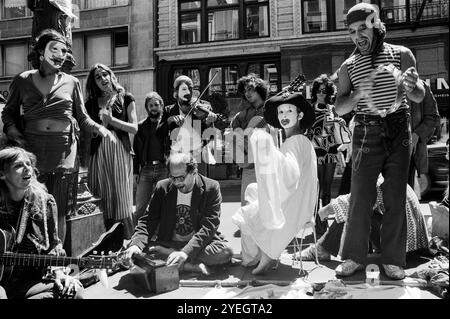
column 186, row 208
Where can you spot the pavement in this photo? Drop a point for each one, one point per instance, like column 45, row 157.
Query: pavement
column 124, row 285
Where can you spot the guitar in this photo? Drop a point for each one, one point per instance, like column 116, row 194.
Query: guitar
column 258, row 121
column 10, row 259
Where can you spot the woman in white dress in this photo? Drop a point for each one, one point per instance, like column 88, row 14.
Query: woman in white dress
column 286, row 189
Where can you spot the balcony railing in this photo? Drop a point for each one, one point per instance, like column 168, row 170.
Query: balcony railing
column 435, row 11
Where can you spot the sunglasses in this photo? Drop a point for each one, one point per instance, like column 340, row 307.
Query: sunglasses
column 322, row 91
column 179, row 179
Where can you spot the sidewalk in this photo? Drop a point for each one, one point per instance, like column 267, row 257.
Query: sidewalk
column 122, row 285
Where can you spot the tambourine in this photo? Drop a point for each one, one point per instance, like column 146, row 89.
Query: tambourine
column 389, row 97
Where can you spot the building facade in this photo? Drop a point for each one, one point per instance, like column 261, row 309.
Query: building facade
column 279, row 39
column 118, row 33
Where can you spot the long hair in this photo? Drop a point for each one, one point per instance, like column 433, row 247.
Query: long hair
column 252, row 80
column 42, row 40
column 330, row 89
column 8, row 156
column 92, row 90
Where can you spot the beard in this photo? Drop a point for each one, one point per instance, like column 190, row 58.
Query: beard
column 154, row 115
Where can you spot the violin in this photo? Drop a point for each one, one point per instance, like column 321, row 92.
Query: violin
column 200, row 109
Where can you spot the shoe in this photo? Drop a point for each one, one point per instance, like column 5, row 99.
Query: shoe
column 309, row 254
column 348, row 268
column 394, row 272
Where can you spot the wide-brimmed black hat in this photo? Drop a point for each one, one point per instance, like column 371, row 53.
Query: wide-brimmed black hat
column 271, row 112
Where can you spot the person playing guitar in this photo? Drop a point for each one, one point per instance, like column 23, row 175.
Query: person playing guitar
column 28, row 216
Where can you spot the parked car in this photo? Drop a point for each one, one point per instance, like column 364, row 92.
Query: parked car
column 2, row 105
column 437, row 177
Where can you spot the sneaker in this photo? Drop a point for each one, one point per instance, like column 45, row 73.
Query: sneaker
column 348, row 268
column 394, row 272
column 309, row 254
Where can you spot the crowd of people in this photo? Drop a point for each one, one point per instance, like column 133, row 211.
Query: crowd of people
column 291, row 148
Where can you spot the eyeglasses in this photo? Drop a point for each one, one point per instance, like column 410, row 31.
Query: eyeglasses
column 322, row 91
column 179, row 179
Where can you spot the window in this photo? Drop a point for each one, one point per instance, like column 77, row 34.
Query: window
column 223, row 25
column 327, row 15
column 315, row 15
column 94, row 4
column 225, row 82
column 257, row 20
column 13, row 59
column 219, row 20
column 268, row 72
column 98, row 49
column 121, row 48
column 109, row 48
column 13, row 11
column 394, row 11
column 190, row 28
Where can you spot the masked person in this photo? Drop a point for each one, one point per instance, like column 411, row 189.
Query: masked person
column 286, row 183
column 151, row 147
column 53, row 112
column 186, row 125
column 381, row 139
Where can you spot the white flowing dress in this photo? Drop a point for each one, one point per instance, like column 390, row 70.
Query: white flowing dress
column 285, row 195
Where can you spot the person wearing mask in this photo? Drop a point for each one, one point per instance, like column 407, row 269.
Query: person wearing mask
column 44, row 113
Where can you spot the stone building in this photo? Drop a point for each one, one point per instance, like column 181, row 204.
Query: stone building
column 281, row 39
column 118, row 33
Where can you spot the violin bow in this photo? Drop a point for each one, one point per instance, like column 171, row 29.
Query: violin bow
column 203, row 92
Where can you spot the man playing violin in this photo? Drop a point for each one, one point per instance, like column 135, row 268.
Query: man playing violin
column 187, row 112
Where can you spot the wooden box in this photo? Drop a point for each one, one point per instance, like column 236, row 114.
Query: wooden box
column 154, row 275
column 83, row 231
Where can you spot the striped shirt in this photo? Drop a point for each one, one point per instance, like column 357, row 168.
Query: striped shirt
column 384, row 91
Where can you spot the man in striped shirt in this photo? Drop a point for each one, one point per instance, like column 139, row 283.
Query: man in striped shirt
column 381, row 139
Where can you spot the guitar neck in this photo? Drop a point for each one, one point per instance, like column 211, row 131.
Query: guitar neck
column 30, row 260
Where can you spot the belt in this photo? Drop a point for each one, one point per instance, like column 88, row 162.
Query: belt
column 153, row 162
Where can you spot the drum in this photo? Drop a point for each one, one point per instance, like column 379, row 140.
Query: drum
column 386, row 92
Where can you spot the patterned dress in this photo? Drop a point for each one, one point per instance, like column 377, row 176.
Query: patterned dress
column 417, row 234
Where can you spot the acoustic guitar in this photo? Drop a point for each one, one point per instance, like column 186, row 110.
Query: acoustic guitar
column 10, row 259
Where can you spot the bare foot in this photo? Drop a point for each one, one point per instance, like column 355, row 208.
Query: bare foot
column 264, row 264
column 200, row 268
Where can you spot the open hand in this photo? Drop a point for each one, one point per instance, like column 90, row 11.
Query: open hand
column 105, row 133
column 177, row 258
column 67, row 285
